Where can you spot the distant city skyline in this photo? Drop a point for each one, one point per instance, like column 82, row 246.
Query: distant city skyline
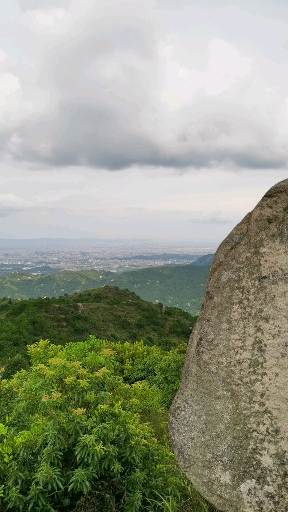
column 49, row 256
column 133, row 119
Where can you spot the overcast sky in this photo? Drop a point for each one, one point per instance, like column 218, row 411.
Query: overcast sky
column 140, row 119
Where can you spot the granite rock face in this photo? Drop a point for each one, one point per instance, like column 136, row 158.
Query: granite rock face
column 229, row 420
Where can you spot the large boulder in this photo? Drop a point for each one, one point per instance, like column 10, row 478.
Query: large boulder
column 229, row 420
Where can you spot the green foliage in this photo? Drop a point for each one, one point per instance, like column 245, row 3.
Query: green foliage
column 180, row 286
column 81, row 431
column 15, row 364
column 161, row 369
column 108, row 312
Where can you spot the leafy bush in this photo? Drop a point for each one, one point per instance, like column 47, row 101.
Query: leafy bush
column 77, row 431
column 15, row 364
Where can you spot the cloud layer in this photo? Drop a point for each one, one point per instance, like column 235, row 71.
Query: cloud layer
column 108, row 85
column 134, row 203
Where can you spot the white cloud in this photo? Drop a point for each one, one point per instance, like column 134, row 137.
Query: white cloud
column 3, row 55
column 10, row 203
column 225, row 67
column 140, row 203
column 109, row 86
column 50, row 22
column 43, row 4
column 49, row 18
column 11, row 200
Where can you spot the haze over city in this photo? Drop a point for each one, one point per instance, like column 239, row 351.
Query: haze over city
column 137, row 119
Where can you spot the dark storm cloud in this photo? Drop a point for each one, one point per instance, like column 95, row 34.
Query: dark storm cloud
column 83, row 135
column 101, row 137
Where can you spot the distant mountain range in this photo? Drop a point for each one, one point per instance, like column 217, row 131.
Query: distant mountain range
column 161, row 257
column 179, row 286
column 207, row 259
column 198, row 261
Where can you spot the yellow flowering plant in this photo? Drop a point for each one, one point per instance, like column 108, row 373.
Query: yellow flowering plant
column 84, row 430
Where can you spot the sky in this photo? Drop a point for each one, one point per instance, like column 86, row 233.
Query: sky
column 144, row 119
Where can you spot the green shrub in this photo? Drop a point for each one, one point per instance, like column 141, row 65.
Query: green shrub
column 15, row 364
column 75, row 437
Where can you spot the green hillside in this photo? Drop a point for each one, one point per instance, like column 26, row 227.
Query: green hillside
column 78, row 413
column 108, row 313
column 179, row 286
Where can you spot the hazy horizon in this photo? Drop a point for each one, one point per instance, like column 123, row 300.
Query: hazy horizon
column 110, row 241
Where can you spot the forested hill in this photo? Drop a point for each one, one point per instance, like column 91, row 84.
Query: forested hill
column 77, row 413
column 108, row 313
column 179, row 286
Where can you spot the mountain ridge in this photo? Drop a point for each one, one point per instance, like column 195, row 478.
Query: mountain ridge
column 179, row 286
column 107, row 313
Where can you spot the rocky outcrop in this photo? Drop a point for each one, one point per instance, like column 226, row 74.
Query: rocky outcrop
column 79, row 307
column 229, row 420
